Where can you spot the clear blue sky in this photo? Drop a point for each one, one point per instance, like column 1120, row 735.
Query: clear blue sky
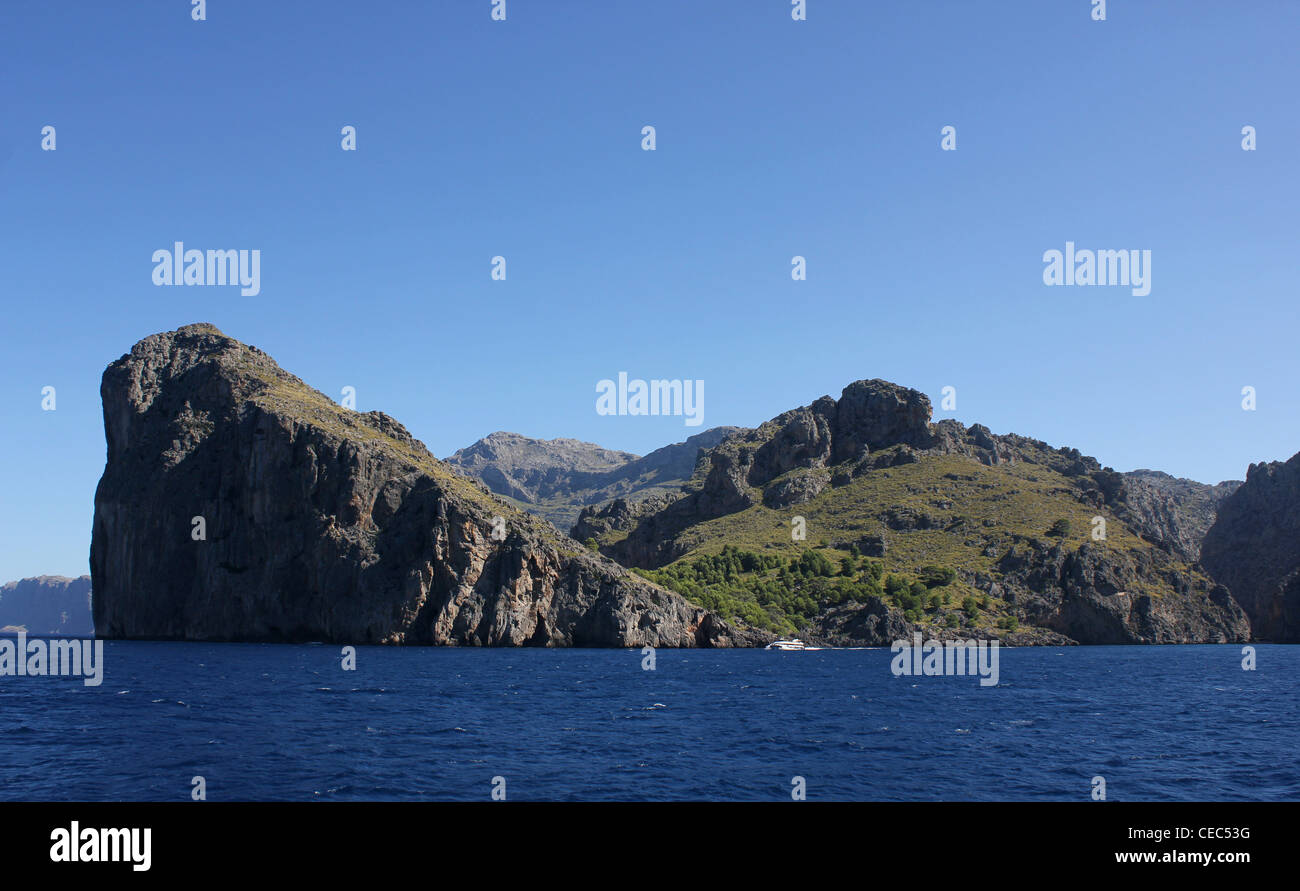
column 775, row 138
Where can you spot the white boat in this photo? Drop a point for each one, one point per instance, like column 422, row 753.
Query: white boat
column 793, row 643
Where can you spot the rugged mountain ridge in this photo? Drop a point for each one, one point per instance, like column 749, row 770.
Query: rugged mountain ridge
column 530, row 470
column 237, row 503
column 47, row 604
column 1254, row 548
column 871, row 475
column 556, row 478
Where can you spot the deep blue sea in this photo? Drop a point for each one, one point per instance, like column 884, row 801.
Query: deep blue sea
column 263, row 722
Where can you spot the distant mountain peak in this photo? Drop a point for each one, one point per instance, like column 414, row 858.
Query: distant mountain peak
column 556, row 478
column 47, row 604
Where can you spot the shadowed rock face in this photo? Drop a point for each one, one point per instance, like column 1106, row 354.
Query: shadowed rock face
column 320, row 523
column 1254, row 548
column 1089, row 595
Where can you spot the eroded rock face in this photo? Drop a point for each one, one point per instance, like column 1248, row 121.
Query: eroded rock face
column 319, row 523
column 874, row 414
column 797, row 488
column 873, row 624
column 1175, row 512
column 1254, row 549
column 1095, row 595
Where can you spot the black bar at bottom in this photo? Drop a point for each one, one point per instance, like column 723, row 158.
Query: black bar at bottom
column 647, row 842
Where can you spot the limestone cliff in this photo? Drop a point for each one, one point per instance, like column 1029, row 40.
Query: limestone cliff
column 237, row 503
column 1254, row 548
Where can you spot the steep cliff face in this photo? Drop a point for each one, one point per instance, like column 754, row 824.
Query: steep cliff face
column 1254, row 548
column 47, row 604
column 237, row 503
column 1173, row 511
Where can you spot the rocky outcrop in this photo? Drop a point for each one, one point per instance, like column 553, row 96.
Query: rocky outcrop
column 557, row 478
column 1046, row 581
column 874, row 624
column 47, row 604
column 733, row 475
column 1089, row 595
column 1101, row 595
column 877, row 624
column 1254, row 549
column 874, row 424
column 796, row 488
column 618, row 515
column 868, row 416
column 237, row 503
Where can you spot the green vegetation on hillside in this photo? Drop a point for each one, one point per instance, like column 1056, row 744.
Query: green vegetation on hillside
column 944, row 521
column 782, row 594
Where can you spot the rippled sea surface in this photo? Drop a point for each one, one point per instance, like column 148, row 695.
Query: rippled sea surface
column 286, row 722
